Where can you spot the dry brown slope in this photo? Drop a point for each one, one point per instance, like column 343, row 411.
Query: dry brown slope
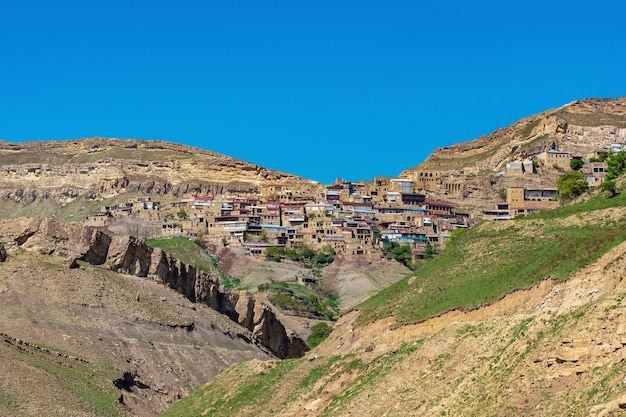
column 114, row 323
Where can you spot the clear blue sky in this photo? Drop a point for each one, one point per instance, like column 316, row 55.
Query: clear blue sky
column 320, row 89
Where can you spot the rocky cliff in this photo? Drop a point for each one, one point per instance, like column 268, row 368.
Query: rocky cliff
column 128, row 255
column 98, row 168
column 471, row 169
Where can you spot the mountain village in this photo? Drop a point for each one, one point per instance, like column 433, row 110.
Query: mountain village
column 354, row 218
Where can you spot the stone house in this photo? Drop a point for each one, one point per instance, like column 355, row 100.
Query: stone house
column 594, row 172
column 557, row 158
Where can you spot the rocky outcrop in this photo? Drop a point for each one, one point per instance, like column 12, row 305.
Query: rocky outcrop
column 132, row 256
column 129, row 255
column 257, row 317
column 3, row 253
column 580, row 128
column 100, row 168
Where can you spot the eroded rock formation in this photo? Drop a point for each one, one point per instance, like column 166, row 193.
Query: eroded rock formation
column 129, row 255
column 99, row 168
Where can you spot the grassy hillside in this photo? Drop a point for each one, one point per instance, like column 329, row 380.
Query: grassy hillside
column 484, row 263
column 186, row 250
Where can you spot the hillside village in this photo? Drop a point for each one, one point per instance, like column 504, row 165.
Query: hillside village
column 354, row 218
column 504, row 309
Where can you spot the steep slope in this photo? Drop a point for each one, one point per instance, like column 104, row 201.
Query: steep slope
column 548, row 341
column 79, row 341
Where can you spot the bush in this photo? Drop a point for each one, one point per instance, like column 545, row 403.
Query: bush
column 616, row 165
column 273, row 253
column 428, row 251
column 200, row 241
column 609, row 188
column 319, row 333
column 571, row 185
column 323, row 259
column 576, row 164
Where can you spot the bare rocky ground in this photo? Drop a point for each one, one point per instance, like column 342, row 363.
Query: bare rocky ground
column 353, row 280
column 68, row 334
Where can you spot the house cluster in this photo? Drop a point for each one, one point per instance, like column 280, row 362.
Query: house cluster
column 355, row 218
column 561, row 159
column 524, row 201
column 142, row 207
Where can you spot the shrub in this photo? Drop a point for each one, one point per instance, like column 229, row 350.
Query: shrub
column 319, row 333
column 571, row 185
column 616, row 165
column 609, row 188
column 200, row 241
column 273, row 253
column 576, row 164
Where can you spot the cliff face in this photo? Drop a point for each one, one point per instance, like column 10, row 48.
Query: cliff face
column 99, row 168
column 128, row 255
column 580, row 127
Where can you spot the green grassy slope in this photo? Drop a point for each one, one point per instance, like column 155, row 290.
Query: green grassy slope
column 486, row 262
column 187, row 251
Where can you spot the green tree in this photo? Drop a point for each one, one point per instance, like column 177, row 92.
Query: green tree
column 182, row 214
column 323, row 259
column 263, row 235
column 400, row 253
column 576, row 164
column 602, row 156
column 571, row 185
column 616, row 165
column 319, row 333
column 308, row 253
column 609, row 188
column 273, row 253
column 293, row 254
column 328, row 249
